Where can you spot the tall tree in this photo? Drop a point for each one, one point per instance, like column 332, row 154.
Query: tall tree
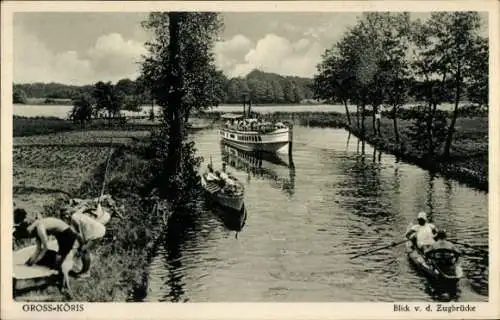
column 334, row 79
column 456, row 38
column 108, row 98
column 395, row 75
column 477, row 80
column 82, row 109
column 454, row 41
column 431, row 77
column 180, row 69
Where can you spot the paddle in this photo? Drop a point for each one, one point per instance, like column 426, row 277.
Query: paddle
column 469, row 246
column 375, row 250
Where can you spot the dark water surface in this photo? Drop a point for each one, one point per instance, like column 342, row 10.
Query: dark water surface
column 303, row 224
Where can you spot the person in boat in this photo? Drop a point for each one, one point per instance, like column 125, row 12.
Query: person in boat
column 210, row 174
column 40, row 229
column 444, row 254
column 422, row 234
column 225, row 176
column 442, row 244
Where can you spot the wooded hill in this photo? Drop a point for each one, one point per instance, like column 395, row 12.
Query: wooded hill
column 261, row 87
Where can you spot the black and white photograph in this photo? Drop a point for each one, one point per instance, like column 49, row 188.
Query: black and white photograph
column 186, row 156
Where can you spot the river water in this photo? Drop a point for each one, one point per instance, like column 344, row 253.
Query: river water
column 304, row 223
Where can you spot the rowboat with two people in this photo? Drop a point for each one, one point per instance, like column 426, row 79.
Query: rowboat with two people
column 223, row 188
column 433, row 255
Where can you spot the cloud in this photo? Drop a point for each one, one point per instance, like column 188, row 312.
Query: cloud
column 228, row 53
column 114, row 56
column 276, row 54
column 110, row 58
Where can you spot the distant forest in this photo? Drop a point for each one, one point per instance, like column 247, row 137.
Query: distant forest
column 259, row 87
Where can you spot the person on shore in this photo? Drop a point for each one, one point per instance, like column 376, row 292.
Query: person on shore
column 94, row 208
column 41, row 229
column 422, row 234
column 90, row 230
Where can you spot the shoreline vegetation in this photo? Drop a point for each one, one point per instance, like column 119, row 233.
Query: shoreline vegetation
column 122, row 256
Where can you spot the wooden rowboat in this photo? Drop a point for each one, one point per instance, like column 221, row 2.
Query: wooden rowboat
column 26, row 278
column 442, row 279
column 233, row 200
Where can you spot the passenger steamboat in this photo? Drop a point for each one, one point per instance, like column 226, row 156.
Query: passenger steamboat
column 251, row 134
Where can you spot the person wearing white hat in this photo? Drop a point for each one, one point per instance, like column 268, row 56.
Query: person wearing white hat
column 422, row 234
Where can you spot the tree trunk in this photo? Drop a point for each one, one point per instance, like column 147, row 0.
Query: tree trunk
column 374, row 119
column 152, row 105
column 174, row 97
column 430, row 138
column 449, row 138
column 357, row 117
column 186, row 117
column 363, row 120
column 395, row 124
column 347, row 113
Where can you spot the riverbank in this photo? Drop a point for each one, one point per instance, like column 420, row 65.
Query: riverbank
column 120, row 258
column 33, row 126
column 468, row 162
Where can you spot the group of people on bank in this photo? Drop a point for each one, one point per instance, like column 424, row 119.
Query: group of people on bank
column 81, row 224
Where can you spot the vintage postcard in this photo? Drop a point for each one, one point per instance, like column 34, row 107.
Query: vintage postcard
column 250, row 160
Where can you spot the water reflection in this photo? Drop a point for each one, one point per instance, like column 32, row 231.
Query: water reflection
column 233, row 220
column 279, row 171
column 179, row 230
column 361, row 187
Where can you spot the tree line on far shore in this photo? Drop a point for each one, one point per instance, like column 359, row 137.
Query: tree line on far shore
column 257, row 87
column 388, row 60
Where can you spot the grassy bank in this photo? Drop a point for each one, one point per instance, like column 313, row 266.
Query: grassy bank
column 468, row 162
column 34, row 126
column 121, row 258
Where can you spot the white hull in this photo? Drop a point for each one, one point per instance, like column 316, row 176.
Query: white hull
column 277, row 141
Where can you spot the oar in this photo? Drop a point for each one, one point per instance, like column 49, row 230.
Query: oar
column 105, row 173
column 469, row 246
column 374, row 250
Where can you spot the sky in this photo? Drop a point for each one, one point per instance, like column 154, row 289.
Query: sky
column 83, row 48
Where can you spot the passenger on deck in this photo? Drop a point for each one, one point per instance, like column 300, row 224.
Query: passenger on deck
column 422, row 234
column 41, row 229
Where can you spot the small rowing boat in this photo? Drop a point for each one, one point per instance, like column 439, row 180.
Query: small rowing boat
column 440, row 266
column 228, row 193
